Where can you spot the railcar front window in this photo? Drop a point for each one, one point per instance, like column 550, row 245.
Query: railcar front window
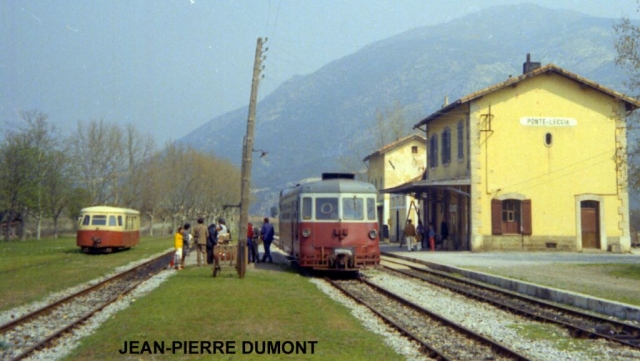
column 371, row 209
column 327, row 208
column 353, row 209
column 120, row 221
column 99, row 220
column 306, row 208
column 112, row 221
column 85, row 221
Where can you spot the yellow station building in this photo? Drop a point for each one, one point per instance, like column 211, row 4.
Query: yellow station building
column 396, row 163
column 537, row 162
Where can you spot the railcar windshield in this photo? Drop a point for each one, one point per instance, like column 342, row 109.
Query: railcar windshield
column 371, row 209
column 307, row 208
column 353, row 209
column 327, row 208
column 99, row 220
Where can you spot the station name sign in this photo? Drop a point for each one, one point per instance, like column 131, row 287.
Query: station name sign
column 548, row 122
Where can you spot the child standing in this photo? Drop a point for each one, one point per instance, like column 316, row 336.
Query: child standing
column 178, row 241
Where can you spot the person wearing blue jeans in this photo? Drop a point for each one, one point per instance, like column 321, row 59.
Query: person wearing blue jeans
column 267, row 234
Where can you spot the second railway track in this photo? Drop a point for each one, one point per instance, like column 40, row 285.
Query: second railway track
column 42, row 327
column 580, row 324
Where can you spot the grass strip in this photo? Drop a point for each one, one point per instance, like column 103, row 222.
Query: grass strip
column 615, row 282
column 264, row 306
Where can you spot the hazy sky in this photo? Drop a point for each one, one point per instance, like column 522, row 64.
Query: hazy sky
column 171, row 66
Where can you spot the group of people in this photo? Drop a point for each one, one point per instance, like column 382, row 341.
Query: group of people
column 206, row 238
column 421, row 237
column 253, row 234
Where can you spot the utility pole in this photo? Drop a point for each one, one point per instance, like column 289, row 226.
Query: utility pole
column 247, row 151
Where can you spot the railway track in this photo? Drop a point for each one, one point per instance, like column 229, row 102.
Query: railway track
column 41, row 328
column 438, row 337
column 579, row 324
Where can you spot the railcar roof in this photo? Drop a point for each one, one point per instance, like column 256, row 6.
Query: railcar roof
column 107, row 209
column 334, row 186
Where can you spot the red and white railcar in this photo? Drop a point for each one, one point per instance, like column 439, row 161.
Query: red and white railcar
column 330, row 224
column 104, row 228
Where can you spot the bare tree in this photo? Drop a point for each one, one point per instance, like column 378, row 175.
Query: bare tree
column 628, row 58
column 390, row 125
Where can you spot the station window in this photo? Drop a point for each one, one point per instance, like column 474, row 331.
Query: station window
column 460, row 140
column 433, row 151
column 446, row 146
column 548, row 139
column 414, row 149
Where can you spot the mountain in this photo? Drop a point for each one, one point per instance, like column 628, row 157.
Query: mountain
column 310, row 121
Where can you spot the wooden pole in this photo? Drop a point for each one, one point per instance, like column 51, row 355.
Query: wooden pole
column 247, row 151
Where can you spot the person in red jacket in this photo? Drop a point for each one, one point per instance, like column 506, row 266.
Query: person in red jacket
column 251, row 245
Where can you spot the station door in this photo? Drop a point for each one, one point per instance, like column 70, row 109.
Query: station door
column 590, row 222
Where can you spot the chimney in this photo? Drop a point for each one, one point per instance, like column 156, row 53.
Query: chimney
column 529, row 65
column 446, row 101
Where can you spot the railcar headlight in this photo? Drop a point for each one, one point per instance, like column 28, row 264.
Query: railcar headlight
column 306, row 232
column 373, row 234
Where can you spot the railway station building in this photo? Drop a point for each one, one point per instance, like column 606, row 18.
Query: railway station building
column 537, row 162
column 394, row 164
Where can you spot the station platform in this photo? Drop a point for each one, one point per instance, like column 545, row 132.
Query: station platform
column 581, row 279
column 501, row 259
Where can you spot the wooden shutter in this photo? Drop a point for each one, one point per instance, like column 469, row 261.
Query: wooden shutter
column 496, row 216
column 526, row 217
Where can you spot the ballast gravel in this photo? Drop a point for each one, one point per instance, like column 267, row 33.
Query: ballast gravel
column 502, row 326
column 371, row 322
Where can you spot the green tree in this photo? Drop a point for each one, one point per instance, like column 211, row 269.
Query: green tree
column 18, row 179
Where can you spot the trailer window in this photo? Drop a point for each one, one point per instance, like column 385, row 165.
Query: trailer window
column 99, row 220
column 353, row 209
column 371, row 209
column 306, row 208
column 327, row 208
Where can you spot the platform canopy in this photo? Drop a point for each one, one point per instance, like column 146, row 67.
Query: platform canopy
column 423, row 186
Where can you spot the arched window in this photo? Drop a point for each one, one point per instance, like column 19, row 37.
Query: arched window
column 433, row 151
column 446, row 146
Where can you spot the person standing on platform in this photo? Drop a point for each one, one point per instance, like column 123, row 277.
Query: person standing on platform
column 177, row 243
column 432, row 236
column 267, row 234
column 212, row 241
column 251, row 245
column 421, row 238
column 200, row 234
column 410, row 234
column 186, row 242
column 444, row 231
column 223, row 231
